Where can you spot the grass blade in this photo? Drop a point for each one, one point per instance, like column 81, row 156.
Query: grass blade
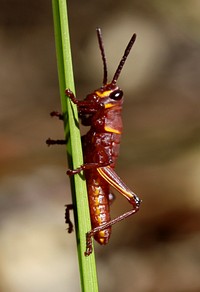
column 74, row 150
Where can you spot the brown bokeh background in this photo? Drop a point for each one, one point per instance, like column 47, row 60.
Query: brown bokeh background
column 159, row 248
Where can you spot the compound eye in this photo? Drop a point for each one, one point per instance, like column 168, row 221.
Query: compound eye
column 117, row 94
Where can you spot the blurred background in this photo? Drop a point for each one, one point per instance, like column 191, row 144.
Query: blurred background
column 156, row 250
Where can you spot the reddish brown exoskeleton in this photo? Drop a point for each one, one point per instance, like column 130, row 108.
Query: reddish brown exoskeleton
column 101, row 110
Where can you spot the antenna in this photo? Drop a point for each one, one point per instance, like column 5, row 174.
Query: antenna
column 123, row 59
column 100, row 40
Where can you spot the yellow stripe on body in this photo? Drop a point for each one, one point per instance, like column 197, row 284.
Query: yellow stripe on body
column 109, row 105
column 104, row 93
column 111, row 130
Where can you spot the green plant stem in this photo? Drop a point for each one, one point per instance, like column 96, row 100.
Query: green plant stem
column 74, row 150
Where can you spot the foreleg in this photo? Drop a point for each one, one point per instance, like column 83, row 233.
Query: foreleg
column 67, row 217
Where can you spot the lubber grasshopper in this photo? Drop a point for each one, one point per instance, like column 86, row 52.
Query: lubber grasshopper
column 101, row 110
